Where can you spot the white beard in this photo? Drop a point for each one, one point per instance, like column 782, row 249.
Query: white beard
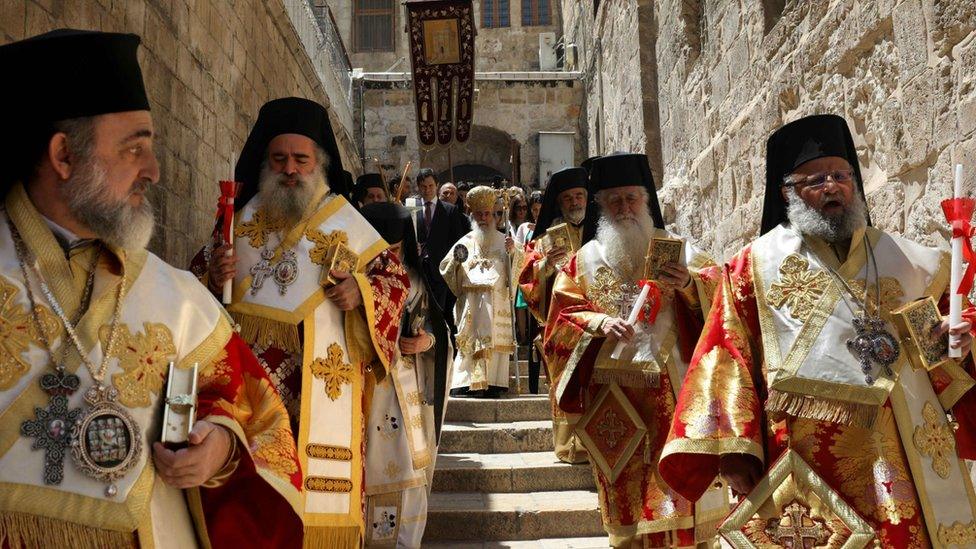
column 487, row 240
column 289, row 203
column 114, row 223
column 624, row 241
column 832, row 229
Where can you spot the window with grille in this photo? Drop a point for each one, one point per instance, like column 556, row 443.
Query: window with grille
column 535, row 13
column 373, row 24
column 494, row 14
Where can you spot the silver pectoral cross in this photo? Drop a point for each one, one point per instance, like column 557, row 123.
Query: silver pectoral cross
column 261, row 270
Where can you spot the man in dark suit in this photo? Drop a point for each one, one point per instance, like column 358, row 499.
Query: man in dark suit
column 439, row 226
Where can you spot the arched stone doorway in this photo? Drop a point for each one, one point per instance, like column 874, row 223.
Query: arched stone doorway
column 489, row 152
column 472, row 173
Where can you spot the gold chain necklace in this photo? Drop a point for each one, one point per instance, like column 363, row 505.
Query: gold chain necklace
column 104, row 439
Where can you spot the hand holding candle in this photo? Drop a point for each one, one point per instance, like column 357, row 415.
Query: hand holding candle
column 959, row 213
column 225, row 211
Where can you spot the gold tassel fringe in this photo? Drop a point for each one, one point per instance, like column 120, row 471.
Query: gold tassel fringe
column 821, row 409
column 332, row 537
column 627, row 378
column 19, row 530
column 266, row 332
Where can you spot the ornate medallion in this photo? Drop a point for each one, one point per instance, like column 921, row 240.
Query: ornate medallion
column 51, row 428
column 285, row 272
column 105, row 442
column 873, row 344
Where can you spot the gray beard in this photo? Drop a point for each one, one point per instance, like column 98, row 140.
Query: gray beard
column 288, row 204
column 487, row 240
column 832, row 229
column 116, row 223
column 624, row 242
column 574, row 216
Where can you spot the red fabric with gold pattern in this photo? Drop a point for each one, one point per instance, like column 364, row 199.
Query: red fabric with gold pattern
column 390, row 284
column 637, row 500
column 532, row 282
column 246, row 511
column 720, row 411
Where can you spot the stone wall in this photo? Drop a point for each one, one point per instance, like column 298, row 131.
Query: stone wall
column 208, row 66
column 903, row 72
column 504, row 110
column 512, row 48
column 615, row 50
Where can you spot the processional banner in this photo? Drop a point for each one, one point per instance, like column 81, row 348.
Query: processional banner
column 442, row 56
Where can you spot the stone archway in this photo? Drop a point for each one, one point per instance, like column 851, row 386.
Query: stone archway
column 487, row 153
column 472, row 173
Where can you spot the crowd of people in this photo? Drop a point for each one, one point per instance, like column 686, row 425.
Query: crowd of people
column 332, row 324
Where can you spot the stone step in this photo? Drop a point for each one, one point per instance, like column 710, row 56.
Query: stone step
column 497, row 438
column 543, row 384
column 552, row 543
column 507, row 408
column 524, row 472
column 479, row 517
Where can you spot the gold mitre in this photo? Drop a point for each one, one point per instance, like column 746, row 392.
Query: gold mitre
column 481, row 198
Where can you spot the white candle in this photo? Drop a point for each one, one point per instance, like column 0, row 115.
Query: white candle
column 955, row 274
column 228, row 294
column 631, row 319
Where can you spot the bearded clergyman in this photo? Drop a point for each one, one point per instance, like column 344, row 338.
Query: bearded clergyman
column 477, row 270
column 564, row 206
column 91, row 323
column 799, row 357
column 623, row 374
column 318, row 297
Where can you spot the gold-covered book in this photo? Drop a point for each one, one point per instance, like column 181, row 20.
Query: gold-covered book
column 916, row 323
column 663, row 251
column 338, row 257
column 559, row 237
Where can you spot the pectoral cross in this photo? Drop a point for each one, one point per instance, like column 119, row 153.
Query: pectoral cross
column 796, row 535
column 261, row 270
column 51, row 428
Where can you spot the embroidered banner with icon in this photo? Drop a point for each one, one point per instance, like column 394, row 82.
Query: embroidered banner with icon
column 442, row 53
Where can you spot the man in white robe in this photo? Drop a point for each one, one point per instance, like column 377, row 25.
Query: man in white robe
column 478, row 272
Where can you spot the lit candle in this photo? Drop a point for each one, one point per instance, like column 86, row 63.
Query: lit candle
column 955, row 274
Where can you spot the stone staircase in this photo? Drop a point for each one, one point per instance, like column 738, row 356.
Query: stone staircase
column 498, row 484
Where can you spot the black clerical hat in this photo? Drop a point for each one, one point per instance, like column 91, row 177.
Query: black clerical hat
column 395, row 224
column 559, row 182
column 68, row 73
column 624, row 170
column 59, row 75
column 801, row 141
column 367, row 181
column 278, row 117
column 588, row 162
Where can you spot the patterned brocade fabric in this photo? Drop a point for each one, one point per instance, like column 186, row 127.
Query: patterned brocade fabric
column 637, row 503
column 720, row 410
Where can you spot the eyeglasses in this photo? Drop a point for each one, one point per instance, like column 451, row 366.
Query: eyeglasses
column 499, row 214
column 520, row 208
column 818, row 180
